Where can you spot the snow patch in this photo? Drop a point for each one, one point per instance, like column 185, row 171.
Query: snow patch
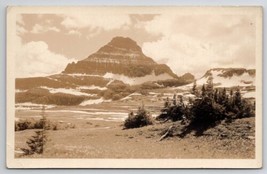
column 67, row 91
column 110, row 82
column 249, row 94
column 50, row 78
column 126, row 98
column 190, row 95
column 243, row 80
column 137, row 80
column 19, row 90
column 82, row 75
column 130, row 96
column 29, row 105
column 92, row 87
column 135, row 94
column 161, row 86
column 153, row 93
column 93, row 101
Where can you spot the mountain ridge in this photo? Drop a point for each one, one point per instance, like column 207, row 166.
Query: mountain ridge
column 230, row 77
column 121, row 50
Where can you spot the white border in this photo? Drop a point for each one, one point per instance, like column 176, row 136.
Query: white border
column 130, row 163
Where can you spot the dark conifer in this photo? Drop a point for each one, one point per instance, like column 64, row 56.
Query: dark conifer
column 203, row 90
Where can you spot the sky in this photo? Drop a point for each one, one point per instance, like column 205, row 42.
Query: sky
column 185, row 42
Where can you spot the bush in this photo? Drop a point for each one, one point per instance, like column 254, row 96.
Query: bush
column 28, row 124
column 39, row 124
column 174, row 110
column 173, row 113
column 140, row 119
column 208, row 109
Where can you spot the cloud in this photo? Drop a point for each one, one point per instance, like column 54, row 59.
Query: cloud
column 75, row 32
column 197, row 43
column 35, row 59
column 19, row 19
column 36, row 29
column 20, row 30
column 96, row 21
column 181, row 53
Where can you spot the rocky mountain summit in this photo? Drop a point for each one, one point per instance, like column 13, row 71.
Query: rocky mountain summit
column 120, row 56
column 120, row 50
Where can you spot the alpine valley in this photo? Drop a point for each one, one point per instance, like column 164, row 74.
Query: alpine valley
column 116, row 72
column 87, row 105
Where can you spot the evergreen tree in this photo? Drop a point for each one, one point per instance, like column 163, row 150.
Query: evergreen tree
column 174, row 100
column 167, row 103
column 231, row 92
column 215, row 96
column 37, row 142
column 181, row 100
column 231, row 100
column 194, row 88
column 238, row 99
column 203, row 91
column 209, row 86
column 222, row 97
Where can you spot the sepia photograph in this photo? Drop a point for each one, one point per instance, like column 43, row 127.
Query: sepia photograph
column 134, row 87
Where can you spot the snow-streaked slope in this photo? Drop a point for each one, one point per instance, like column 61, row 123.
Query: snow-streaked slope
column 29, row 105
column 236, row 80
column 67, row 91
column 137, row 80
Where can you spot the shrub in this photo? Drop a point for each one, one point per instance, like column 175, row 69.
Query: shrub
column 208, row 110
column 28, row 124
column 39, row 124
column 140, row 119
column 175, row 110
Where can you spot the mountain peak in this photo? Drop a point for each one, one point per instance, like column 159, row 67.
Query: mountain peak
column 124, row 42
column 121, row 56
column 121, row 44
column 122, row 50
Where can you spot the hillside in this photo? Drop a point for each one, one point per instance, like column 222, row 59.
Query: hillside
column 230, row 77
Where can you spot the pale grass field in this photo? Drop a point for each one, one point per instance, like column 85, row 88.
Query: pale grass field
column 107, row 139
column 98, row 133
